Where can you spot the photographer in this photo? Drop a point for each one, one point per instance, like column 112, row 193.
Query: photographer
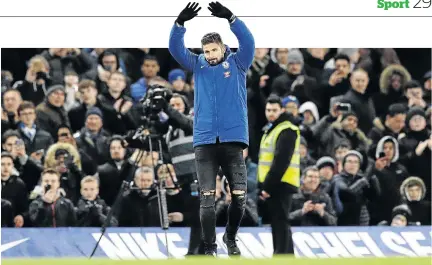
column 51, row 209
column 311, row 206
column 92, row 211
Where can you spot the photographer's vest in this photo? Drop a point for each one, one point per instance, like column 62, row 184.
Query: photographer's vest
column 266, row 155
column 182, row 153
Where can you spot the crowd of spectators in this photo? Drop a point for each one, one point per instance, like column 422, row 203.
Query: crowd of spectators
column 365, row 149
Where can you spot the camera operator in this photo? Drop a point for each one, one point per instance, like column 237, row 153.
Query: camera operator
column 51, row 209
column 92, row 211
column 312, row 206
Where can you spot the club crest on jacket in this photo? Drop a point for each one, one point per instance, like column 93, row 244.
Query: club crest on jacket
column 225, row 65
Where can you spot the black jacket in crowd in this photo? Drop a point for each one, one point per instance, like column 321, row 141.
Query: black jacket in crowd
column 15, row 191
column 49, row 117
column 139, row 210
column 111, row 178
column 327, row 91
column 303, row 87
column 61, row 213
column 77, row 116
column 7, row 214
column 351, row 195
column 97, row 148
column 115, row 122
column 81, row 64
column 312, row 218
column 29, row 172
column 32, row 91
column 70, row 181
column 375, row 134
column 262, row 67
column 364, row 108
column 93, row 213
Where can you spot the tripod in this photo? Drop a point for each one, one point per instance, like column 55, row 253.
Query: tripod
column 159, row 185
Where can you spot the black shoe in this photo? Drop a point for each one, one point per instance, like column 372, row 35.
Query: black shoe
column 210, row 250
column 210, row 253
column 232, row 248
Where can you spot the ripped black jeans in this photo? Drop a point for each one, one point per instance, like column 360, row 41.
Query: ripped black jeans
column 208, row 159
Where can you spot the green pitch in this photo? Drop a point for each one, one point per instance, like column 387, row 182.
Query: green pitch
column 235, row 261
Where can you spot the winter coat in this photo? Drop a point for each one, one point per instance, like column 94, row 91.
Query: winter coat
column 49, row 118
column 364, row 108
column 61, row 213
column 312, row 218
column 220, row 109
column 390, row 179
column 93, row 213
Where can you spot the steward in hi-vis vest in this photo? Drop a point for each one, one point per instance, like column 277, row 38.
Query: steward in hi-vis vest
column 278, row 173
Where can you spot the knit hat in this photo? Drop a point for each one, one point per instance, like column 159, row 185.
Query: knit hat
column 351, row 153
column 402, row 209
column 349, row 113
column 94, row 111
column 60, row 152
column 295, row 56
column 176, row 74
column 326, row 161
column 289, row 99
column 55, row 88
column 414, row 111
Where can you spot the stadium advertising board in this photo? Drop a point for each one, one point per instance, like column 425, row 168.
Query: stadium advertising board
column 150, row 243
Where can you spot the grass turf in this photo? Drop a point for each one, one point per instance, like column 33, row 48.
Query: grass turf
column 236, row 261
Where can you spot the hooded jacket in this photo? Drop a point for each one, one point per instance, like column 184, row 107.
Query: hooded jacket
column 390, row 179
column 388, row 95
column 309, row 105
column 220, row 109
column 70, row 180
column 420, row 209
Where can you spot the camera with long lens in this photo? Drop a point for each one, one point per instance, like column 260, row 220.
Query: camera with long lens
column 155, row 99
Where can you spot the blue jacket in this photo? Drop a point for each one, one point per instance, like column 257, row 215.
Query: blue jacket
column 220, row 102
column 138, row 89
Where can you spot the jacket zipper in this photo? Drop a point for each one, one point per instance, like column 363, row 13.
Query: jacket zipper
column 53, row 214
column 216, row 106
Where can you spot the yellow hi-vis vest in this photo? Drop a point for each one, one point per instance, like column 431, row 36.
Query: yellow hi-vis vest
column 266, row 155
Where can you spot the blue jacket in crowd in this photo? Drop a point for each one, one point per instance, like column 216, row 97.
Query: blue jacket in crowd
column 220, row 103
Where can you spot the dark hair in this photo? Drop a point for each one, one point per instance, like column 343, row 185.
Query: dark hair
column 8, row 134
column 7, row 154
column 342, row 56
column 86, row 83
column 25, row 105
column 412, row 84
column 274, row 99
column 115, row 138
column 150, row 58
column 395, row 109
column 211, row 37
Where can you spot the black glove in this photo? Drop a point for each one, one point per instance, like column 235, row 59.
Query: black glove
column 188, row 13
column 218, row 10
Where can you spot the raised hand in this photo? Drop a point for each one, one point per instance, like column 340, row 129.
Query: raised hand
column 190, row 11
column 218, row 10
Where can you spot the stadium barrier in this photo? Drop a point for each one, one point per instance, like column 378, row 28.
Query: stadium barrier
column 149, row 243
